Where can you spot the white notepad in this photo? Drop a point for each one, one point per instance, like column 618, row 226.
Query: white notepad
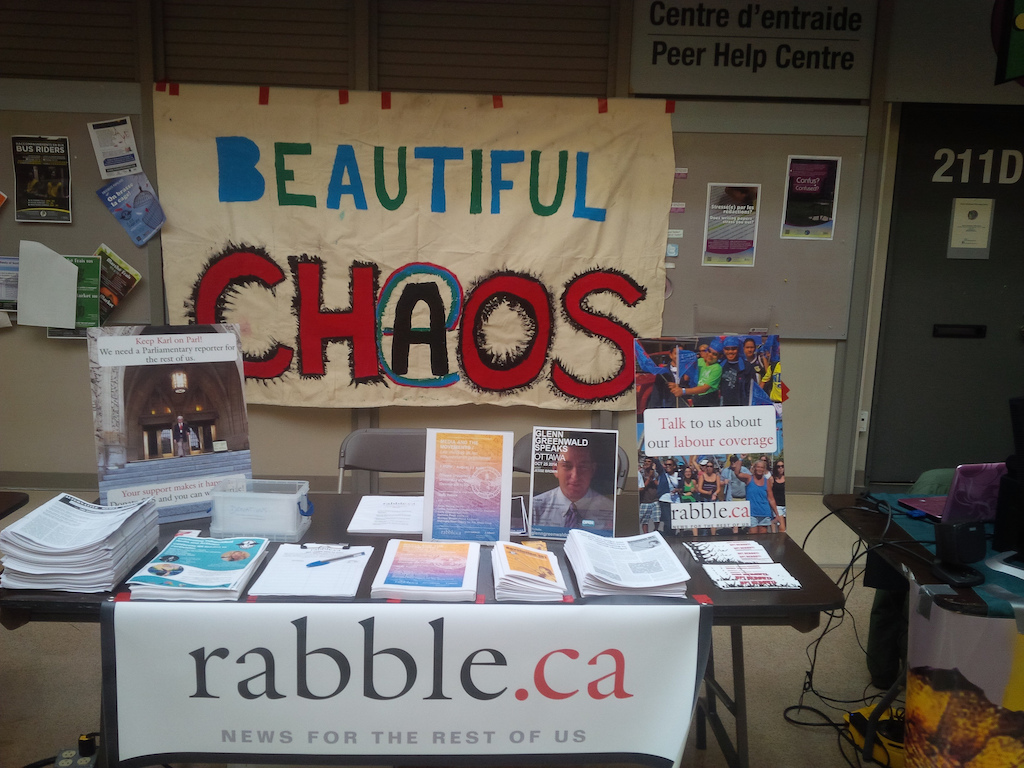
column 289, row 574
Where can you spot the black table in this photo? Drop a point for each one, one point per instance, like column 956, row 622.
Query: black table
column 11, row 501
column 877, row 524
column 884, row 536
column 736, row 609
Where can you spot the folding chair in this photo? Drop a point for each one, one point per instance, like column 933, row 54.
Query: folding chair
column 381, row 450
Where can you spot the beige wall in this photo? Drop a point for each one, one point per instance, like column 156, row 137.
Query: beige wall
column 807, row 371
column 46, row 431
column 45, row 410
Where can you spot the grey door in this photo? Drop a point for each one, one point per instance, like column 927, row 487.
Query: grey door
column 951, row 352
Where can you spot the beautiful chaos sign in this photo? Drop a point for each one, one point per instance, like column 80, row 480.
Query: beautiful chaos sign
column 417, row 249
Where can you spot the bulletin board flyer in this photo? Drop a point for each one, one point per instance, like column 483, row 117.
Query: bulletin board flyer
column 730, row 225
column 42, row 172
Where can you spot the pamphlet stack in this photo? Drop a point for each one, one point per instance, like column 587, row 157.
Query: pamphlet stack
column 445, row 571
column 741, row 565
column 526, row 573
column 388, row 515
column 193, row 568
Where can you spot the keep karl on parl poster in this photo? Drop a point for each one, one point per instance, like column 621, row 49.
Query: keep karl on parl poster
column 169, row 413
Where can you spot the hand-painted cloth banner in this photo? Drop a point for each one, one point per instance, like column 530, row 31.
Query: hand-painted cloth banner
column 418, row 249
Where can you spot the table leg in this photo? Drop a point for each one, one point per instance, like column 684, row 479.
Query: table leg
column 706, row 704
column 739, row 692
column 736, row 755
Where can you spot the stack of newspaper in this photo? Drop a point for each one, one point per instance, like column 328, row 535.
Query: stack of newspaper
column 445, row 571
column 638, row 565
column 193, row 568
column 525, row 573
column 73, row 546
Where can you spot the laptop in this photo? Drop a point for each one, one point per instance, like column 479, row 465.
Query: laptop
column 971, row 499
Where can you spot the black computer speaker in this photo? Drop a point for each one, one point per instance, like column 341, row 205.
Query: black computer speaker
column 960, row 543
column 1008, row 532
column 1017, row 423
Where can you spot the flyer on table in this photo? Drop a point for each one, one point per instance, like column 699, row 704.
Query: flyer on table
column 467, row 485
column 200, row 563
column 198, row 437
column 572, row 481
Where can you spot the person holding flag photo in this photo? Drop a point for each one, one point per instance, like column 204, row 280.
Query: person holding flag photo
column 669, row 381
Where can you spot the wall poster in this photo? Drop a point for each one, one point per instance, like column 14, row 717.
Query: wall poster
column 809, row 210
column 730, row 225
column 42, row 172
column 970, row 228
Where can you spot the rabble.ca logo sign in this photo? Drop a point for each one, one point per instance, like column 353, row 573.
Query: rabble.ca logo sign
column 400, row 679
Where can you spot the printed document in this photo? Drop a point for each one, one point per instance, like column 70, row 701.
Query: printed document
column 388, row 514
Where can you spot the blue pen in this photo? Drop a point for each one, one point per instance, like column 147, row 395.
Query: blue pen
column 333, row 559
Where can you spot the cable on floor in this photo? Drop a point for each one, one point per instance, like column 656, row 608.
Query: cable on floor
column 798, row 714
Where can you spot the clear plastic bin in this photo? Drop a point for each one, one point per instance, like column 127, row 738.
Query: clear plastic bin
column 278, row 510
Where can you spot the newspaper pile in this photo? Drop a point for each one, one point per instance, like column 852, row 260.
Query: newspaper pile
column 632, row 565
column 71, row 545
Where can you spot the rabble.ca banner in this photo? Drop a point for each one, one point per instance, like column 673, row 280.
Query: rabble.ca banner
column 418, row 249
column 398, row 680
